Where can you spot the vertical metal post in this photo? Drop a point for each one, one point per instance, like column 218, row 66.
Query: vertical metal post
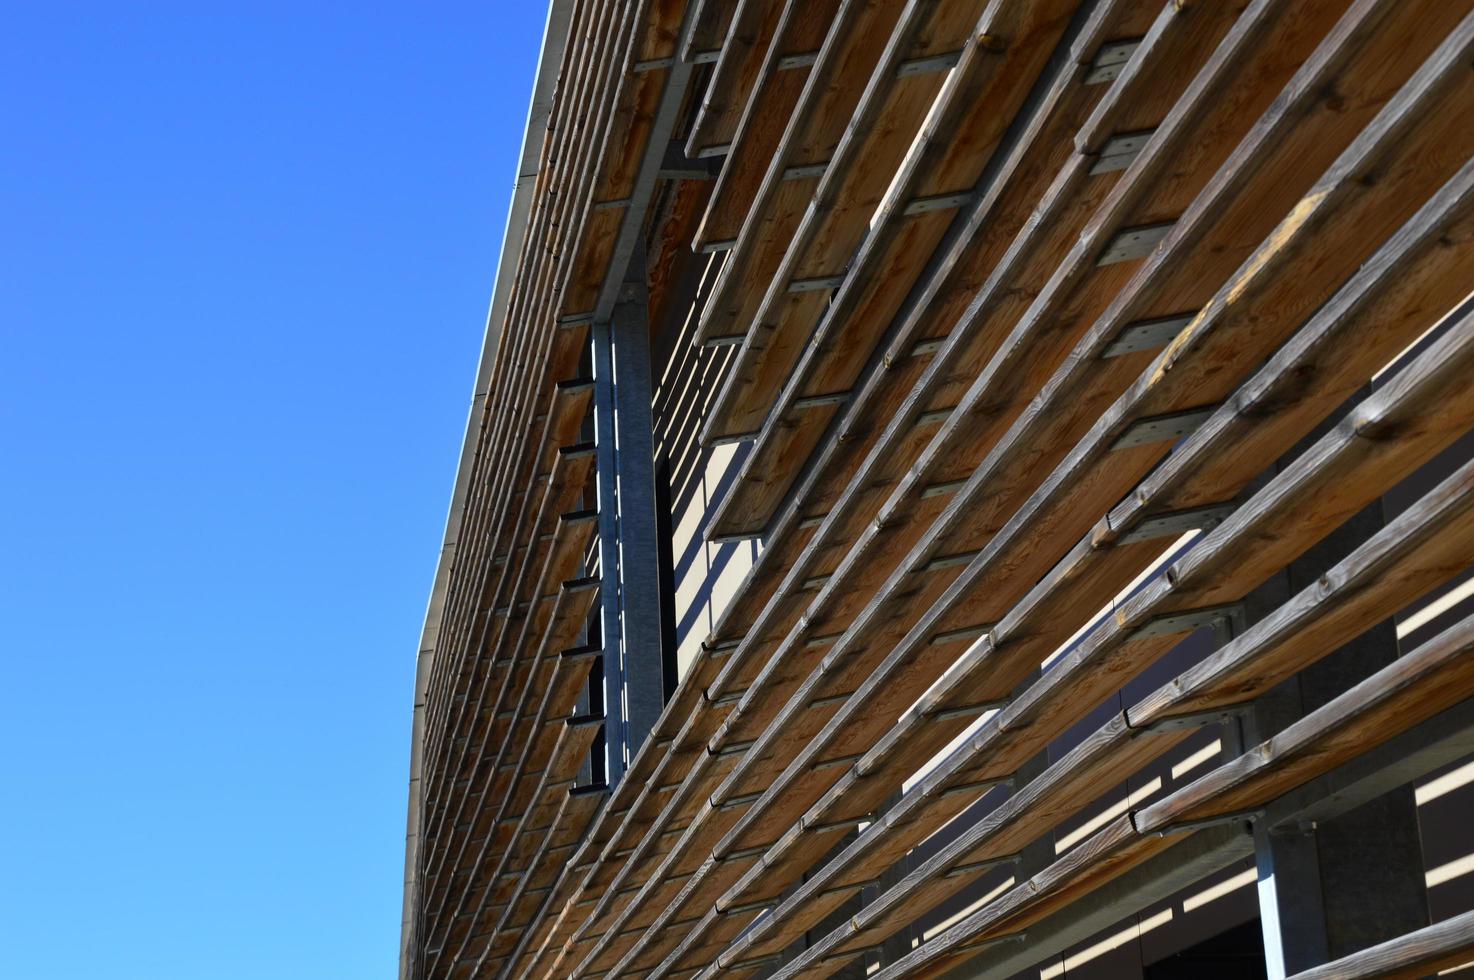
column 628, row 531
column 1331, row 890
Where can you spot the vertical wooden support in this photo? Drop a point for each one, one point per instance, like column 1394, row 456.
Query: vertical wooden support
column 628, row 530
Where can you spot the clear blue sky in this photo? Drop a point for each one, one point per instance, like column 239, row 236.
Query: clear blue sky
column 247, row 254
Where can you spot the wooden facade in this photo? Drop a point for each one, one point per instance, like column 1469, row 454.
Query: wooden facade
column 1004, row 387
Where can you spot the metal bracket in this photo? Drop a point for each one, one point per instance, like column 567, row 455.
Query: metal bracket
column 923, row 348
column 935, row 417
column 1197, row 719
column 933, row 63
column 1147, row 335
column 937, row 202
column 1119, row 151
column 1178, row 522
column 735, row 748
column 1187, row 826
column 815, row 284
column 804, row 170
column 675, row 165
column 819, row 401
column 1160, row 428
column 788, row 62
column 1134, row 243
column 844, row 760
column 736, row 801
column 965, row 633
column 968, row 710
column 975, row 866
column 1186, row 621
column 943, row 489
column 1110, row 60
column 948, row 561
column 982, row 785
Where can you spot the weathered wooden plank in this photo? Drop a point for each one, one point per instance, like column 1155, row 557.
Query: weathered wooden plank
column 665, row 856
column 921, row 591
column 556, row 824
column 855, row 513
column 1067, row 786
column 1417, row 686
column 1418, row 552
column 537, row 889
column 565, row 156
column 744, row 50
column 546, row 768
column 1413, row 688
column 569, row 473
column 1003, row 54
column 926, row 739
column 516, row 341
column 801, row 29
column 536, row 830
column 1434, row 949
column 749, row 695
column 854, row 45
column 567, row 612
column 1406, row 692
column 554, row 556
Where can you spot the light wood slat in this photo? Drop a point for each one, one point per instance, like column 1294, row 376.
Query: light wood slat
column 507, row 576
column 1021, row 642
column 535, row 889
column 1275, row 405
column 883, row 622
column 1003, row 53
column 1271, row 183
column 485, row 582
column 594, row 72
column 1000, row 394
column 566, row 169
column 542, row 827
column 744, row 49
column 973, row 593
column 516, row 336
column 557, row 556
column 818, row 105
column 784, row 790
column 506, row 745
column 724, row 827
column 1021, row 225
column 569, row 609
column 516, row 348
column 1062, row 791
column 885, row 464
column 544, row 759
column 506, row 348
column 539, row 942
column 893, row 618
column 855, row 42
column 554, row 555
column 1419, row 685
column 635, row 105
column 1412, row 689
column 563, row 172
column 1415, row 554
column 802, row 27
